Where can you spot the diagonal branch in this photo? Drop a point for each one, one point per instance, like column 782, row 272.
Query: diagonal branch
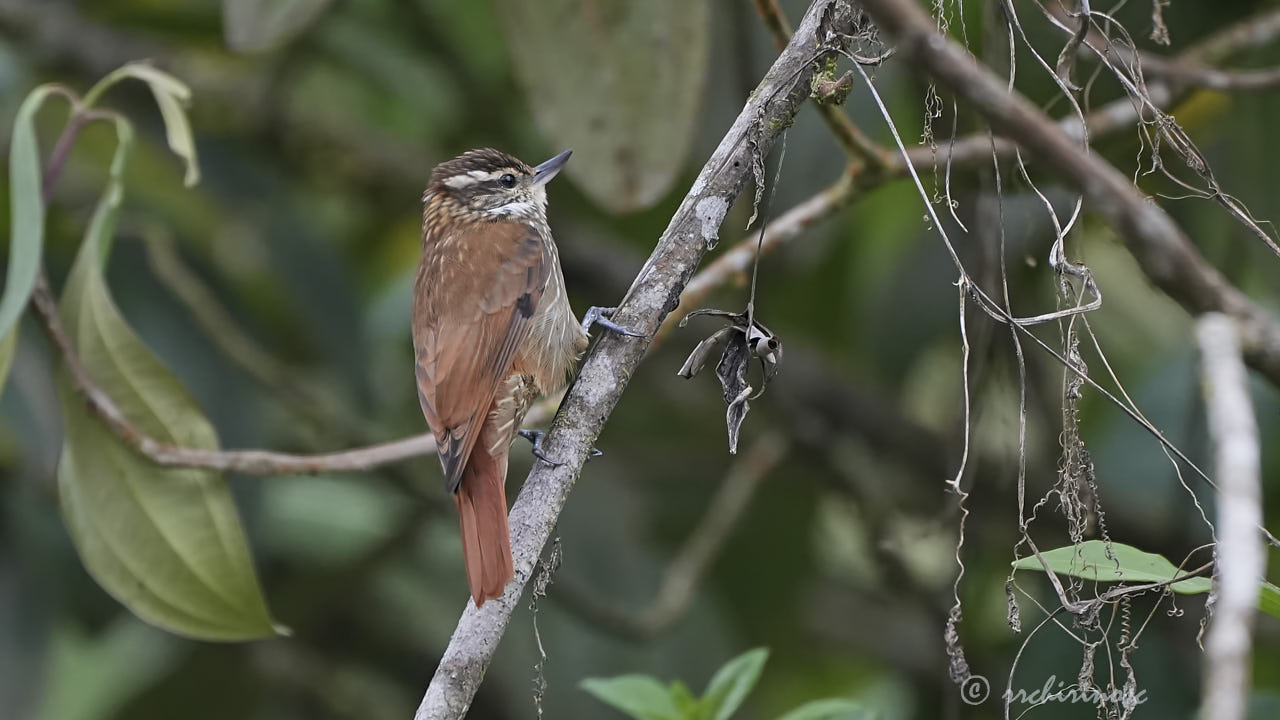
column 611, row 363
column 1163, row 251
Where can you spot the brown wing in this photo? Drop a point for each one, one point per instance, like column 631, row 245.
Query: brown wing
column 474, row 299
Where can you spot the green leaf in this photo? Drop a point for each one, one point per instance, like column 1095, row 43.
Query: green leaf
column 638, row 696
column 167, row 543
column 687, row 704
column 1089, row 561
column 829, row 709
column 26, row 211
column 731, row 683
column 618, row 81
column 172, row 96
column 257, row 25
column 8, row 344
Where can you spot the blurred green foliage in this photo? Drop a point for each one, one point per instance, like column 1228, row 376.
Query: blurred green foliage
column 316, row 133
column 645, row 698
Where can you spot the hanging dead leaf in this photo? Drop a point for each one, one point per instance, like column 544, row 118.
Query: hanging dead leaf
column 742, row 344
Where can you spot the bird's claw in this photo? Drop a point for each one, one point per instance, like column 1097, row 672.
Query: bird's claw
column 600, row 316
column 536, row 436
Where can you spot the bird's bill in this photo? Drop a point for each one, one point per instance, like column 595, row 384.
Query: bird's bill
column 547, row 170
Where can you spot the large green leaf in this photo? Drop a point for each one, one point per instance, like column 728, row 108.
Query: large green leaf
column 639, row 696
column 1089, row 560
column 165, row 542
column 256, row 25
column 830, row 709
column 618, row 81
column 26, row 211
column 731, row 683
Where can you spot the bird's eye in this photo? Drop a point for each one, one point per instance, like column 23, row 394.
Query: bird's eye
column 508, row 180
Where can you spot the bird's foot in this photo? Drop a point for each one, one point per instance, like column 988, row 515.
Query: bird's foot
column 600, row 316
column 536, row 436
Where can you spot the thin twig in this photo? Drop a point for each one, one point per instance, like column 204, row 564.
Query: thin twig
column 1241, row 558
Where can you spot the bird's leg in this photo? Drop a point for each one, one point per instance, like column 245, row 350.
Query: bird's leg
column 600, row 316
column 536, row 436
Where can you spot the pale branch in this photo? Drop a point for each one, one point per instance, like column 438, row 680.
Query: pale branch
column 1240, row 557
column 1251, row 32
column 1165, row 254
column 676, row 593
column 611, row 363
column 1214, row 79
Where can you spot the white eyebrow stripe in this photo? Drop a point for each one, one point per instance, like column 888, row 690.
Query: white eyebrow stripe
column 475, row 177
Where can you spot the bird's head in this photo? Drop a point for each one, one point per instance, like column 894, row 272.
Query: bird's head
column 492, row 185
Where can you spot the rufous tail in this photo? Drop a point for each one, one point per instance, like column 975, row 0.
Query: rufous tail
column 482, row 515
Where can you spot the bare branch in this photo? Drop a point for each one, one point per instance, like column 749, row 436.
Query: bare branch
column 1240, row 556
column 609, row 366
column 1162, row 250
column 1215, row 79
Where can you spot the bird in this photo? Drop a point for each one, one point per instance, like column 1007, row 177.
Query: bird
column 492, row 330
